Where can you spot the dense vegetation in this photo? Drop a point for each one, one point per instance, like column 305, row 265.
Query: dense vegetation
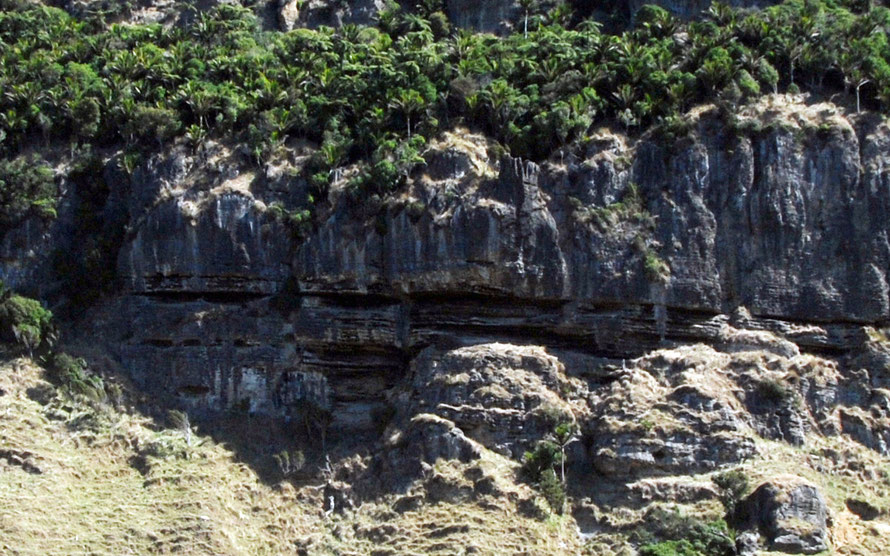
column 27, row 187
column 376, row 94
column 373, row 96
column 670, row 533
column 26, row 327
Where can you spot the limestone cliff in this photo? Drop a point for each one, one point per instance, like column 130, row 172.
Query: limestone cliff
column 491, row 16
column 683, row 301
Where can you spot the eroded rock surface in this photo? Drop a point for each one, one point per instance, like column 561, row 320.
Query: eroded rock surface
column 769, row 241
column 690, row 9
column 489, row 16
column 793, row 515
column 505, row 397
column 682, row 304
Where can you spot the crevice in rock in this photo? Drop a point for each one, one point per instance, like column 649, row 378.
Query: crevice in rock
column 221, row 297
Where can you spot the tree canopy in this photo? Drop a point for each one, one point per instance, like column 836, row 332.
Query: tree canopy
column 375, row 94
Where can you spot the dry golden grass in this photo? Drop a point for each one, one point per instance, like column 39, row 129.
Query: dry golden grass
column 842, row 469
column 69, row 490
column 88, row 498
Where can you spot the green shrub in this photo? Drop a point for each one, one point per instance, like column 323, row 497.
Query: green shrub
column 768, row 75
column 733, row 486
column 23, row 316
column 670, row 548
column 666, row 530
column 774, row 391
column 73, row 378
column 546, row 455
column 27, row 187
column 656, row 269
column 152, row 123
column 747, row 84
column 298, row 221
column 552, row 490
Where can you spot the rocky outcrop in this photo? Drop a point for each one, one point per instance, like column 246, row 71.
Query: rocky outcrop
column 488, row 16
column 753, row 238
column 314, row 13
column 230, row 245
column 24, row 255
column 671, row 411
column 202, row 225
column 752, row 220
column 504, row 397
column 792, row 514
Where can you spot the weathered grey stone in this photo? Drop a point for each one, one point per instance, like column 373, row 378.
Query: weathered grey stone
column 792, row 514
column 734, row 218
column 690, row 9
column 228, row 245
column 765, row 261
column 288, row 14
column 24, row 255
column 504, row 397
column 333, row 13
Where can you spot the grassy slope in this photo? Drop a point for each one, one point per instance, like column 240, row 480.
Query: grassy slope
column 842, row 469
column 87, row 497
column 69, row 488
column 74, row 489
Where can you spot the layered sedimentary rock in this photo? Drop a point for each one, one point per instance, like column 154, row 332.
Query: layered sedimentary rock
column 490, row 16
column 740, row 220
column 793, row 514
column 767, row 236
column 679, row 300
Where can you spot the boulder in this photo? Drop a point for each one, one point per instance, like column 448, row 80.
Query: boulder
column 505, row 397
column 792, row 515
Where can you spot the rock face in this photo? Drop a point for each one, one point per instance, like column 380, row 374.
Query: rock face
column 733, row 216
column 690, row 9
column 504, row 397
column 315, row 13
column 203, row 226
column 680, row 302
column 771, row 240
column 228, row 246
column 489, row 16
column 24, row 253
column 793, row 515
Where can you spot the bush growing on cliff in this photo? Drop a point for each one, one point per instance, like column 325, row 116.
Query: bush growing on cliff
column 289, row 462
column 540, row 465
column 732, row 487
column 546, row 455
column 74, row 379
column 552, row 490
column 27, row 187
column 24, row 321
column 669, row 533
column 774, row 391
column 670, row 548
column 656, row 269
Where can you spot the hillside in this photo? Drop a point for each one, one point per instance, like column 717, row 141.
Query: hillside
column 522, row 278
column 81, row 479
